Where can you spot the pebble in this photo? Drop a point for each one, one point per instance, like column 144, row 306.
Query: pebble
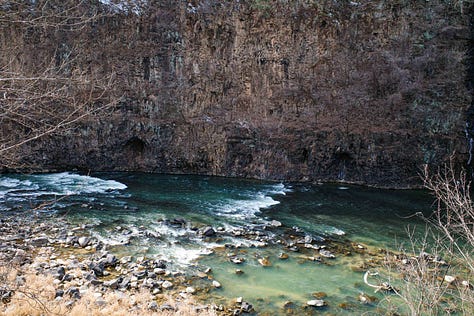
column 83, row 241
column 167, row 307
column 100, row 302
column 246, row 307
column 153, row 306
column 167, row 285
column 126, row 259
column 316, row 303
column 275, row 223
column 190, row 290
column 237, row 260
column 283, row 256
column 265, row 262
column 208, row 231
column 216, row 284
column 327, row 254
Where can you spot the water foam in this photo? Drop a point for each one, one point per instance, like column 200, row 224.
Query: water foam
column 242, row 209
column 251, row 203
column 66, row 183
column 279, row 188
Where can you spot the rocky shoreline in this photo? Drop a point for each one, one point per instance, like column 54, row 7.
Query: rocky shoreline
column 81, row 266
column 77, row 267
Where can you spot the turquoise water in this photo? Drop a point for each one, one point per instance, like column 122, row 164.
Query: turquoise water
column 160, row 216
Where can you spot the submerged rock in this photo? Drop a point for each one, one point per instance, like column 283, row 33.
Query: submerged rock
column 283, row 256
column 326, row 253
column 237, row 260
column 265, row 262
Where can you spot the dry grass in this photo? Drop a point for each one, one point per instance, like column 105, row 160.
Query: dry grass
column 34, row 296
column 427, row 284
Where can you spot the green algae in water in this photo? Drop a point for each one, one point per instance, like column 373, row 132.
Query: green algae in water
column 139, row 214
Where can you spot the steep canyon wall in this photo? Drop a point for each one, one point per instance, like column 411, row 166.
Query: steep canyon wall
column 363, row 91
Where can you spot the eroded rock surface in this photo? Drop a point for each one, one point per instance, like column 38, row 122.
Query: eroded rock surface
column 329, row 90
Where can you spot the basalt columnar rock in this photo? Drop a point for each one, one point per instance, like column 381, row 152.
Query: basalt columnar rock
column 365, row 91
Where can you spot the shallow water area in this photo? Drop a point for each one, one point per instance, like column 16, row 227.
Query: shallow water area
column 168, row 217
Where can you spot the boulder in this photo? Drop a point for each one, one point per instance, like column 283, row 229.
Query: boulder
column 83, row 241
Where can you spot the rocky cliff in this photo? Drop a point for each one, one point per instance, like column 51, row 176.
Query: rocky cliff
column 364, row 91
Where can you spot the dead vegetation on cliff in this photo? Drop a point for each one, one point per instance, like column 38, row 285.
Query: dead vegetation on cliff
column 333, row 89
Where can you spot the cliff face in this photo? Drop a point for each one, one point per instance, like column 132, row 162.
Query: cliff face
column 365, row 91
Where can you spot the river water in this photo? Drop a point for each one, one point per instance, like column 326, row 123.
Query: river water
column 164, row 216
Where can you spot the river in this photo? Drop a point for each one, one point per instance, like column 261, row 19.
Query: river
column 200, row 222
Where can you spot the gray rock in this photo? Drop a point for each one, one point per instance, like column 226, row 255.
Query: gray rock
column 60, row 272
column 110, row 260
column 83, row 241
column 208, row 231
column 140, row 275
column 69, row 304
column 39, row 241
column 73, row 292
column 125, row 259
column 100, row 302
column 152, row 234
column 153, row 306
column 167, row 285
column 316, row 303
column 237, row 260
column 246, row 307
column 275, row 223
column 167, row 307
column 125, row 283
column 113, row 284
column 59, row 293
column 326, row 253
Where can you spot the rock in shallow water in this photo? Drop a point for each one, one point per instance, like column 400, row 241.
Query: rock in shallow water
column 327, row 254
column 265, row 262
column 275, row 223
column 283, row 256
column 316, row 303
column 208, row 231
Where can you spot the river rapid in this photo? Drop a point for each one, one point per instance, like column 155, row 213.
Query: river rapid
column 277, row 245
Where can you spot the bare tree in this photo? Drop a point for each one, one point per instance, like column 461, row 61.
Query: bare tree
column 454, row 214
column 45, row 86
